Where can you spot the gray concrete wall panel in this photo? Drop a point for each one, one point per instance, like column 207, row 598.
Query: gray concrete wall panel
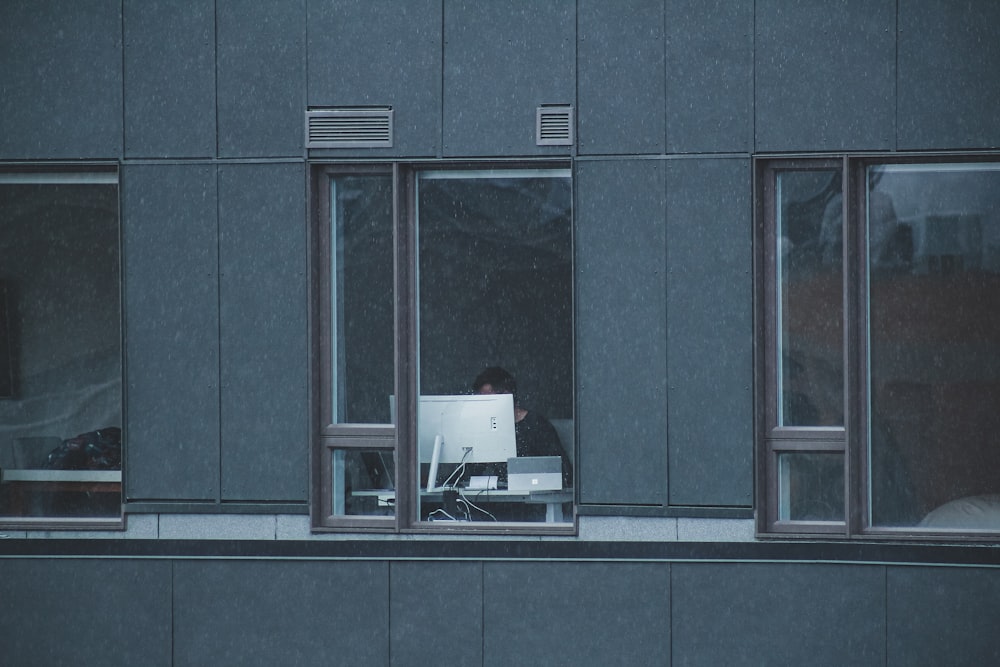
column 85, row 612
column 709, row 92
column 378, row 53
column 621, row 332
column 170, row 106
column 261, row 71
column 61, row 80
column 949, row 56
column 172, row 331
column 801, row 614
column 942, row 617
column 503, row 59
column 576, row 614
column 622, row 78
column 263, row 327
column 435, row 609
column 281, row 613
column 710, row 332
column 825, row 75
column 187, row 611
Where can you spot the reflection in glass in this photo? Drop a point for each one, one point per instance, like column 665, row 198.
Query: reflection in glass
column 361, row 303
column 810, row 298
column 933, row 257
column 61, row 417
column 495, row 289
column 363, row 482
column 811, row 486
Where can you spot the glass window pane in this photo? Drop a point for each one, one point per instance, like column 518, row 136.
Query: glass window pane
column 363, row 482
column 495, row 292
column 933, row 256
column 60, row 346
column 810, row 298
column 361, row 320
column 811, row 486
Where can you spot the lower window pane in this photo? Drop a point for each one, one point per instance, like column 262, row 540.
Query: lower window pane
column 811, row 486
column 934, row 333
column 363, row 482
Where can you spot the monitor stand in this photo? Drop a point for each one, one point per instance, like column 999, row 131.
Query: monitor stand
column 435, row 455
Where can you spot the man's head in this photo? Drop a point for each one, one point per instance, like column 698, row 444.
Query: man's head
column 495, row 380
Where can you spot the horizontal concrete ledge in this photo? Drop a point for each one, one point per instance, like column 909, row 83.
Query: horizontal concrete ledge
column 665, row 511
column 360, row 549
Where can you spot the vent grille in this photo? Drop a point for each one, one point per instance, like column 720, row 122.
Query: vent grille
column 554, row 125
column 349, row 127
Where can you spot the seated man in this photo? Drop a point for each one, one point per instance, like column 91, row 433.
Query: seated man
column 534, row 434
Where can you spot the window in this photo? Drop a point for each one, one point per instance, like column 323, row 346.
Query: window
column 60, row 348
column 445, row 346
column 880, row 404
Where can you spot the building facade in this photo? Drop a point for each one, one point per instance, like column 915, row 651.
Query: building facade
column 707, row 311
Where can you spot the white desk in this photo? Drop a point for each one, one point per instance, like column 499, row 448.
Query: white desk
column 553, row 500
column 61, row 476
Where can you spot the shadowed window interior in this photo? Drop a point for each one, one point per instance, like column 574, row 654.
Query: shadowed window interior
column 495, row 290
column 447, row 272
column 362, row 308
column 933, row 338
column 60, row 344
column 921, row 277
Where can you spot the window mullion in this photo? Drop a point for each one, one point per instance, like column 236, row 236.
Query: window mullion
column 407, row 477
column 855, row 349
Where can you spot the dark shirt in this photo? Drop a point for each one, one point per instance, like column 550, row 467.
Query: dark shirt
column 536, row 436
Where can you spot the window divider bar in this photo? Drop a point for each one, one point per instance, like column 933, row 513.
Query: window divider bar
column 855, row 347
column 407, row 381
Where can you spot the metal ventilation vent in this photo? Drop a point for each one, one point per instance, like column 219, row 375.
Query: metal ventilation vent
column 554, row 125
column 349, row 127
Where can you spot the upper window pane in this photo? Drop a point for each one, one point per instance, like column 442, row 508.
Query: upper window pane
column 494, row 270
column 60, row 346
column 360, row 308
column 933, row 254
column 809, row 238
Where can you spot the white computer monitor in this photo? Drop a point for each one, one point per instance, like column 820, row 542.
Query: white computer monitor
column 465, row 429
